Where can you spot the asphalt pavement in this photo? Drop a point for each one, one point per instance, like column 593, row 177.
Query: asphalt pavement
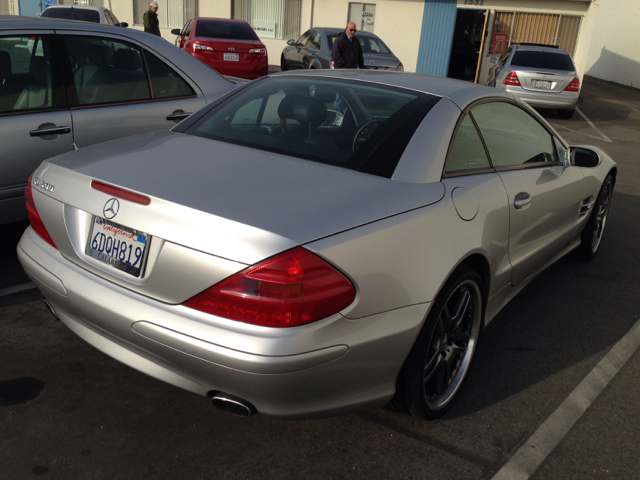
column 68, row 411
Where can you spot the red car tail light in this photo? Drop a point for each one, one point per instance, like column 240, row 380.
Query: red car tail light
column 331, row 64
column 34, row 217
column 290, row 289
column 197, row 46
column 120, row 192
column 400, row 67
column 260, row 51
column 512, row 79
column 574, row 86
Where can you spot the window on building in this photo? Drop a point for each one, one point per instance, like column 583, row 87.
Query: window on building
column 270, row 18
column 171, row 13
column 363, row 15
column 549, row 29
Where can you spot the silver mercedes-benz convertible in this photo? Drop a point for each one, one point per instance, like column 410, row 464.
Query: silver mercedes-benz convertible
column 313, row 244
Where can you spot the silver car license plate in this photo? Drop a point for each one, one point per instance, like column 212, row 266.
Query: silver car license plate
column 116, row 245
column 542, row 84
column 230, row 57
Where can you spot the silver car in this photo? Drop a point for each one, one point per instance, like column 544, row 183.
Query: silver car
column 542, row 76
column 65, row 85
column 313, row 50
column 84, row 13
column 287, row 253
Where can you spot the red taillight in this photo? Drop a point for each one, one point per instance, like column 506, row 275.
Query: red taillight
column 287, row 290
column 34, row 217
column 574, row 86
column 120, row 192
column 198, row 47
column 400, row 67
column 259, row 51
column 331, row 64
column 512, row 79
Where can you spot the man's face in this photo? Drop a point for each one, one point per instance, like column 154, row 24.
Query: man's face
column 153, row 9
column 351, row 29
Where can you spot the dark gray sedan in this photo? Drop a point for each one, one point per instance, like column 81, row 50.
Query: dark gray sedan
column 66, row 85
column 313, row 50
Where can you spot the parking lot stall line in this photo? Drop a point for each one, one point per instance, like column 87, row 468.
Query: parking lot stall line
column 535, row 450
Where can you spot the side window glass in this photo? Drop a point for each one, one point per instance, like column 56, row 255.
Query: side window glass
column 25, row 74
column 513, row 137
column 303, row 39
column 467, row 151
column 165, row 82
column 187, row 29
column 106, row 70
column 314, row 40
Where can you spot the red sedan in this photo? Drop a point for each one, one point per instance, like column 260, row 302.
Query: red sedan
column 231, row 47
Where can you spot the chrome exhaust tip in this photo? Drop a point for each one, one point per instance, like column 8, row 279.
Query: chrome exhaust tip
column 53, row 312
column 233, row 405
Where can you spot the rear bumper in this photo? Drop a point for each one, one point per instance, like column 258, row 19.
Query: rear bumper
column 329, row 367
column 560, row 101
column 255, row 69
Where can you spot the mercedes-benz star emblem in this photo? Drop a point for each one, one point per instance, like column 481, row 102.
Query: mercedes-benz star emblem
column 111, row 208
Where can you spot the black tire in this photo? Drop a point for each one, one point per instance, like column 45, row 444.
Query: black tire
column 283, row 64
column 566, row 114
column 439, row 361
column 591, row 237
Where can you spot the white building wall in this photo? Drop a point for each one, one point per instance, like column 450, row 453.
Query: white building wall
column 614, row 53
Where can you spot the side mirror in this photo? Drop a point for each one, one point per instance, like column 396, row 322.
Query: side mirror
column 123, row 24
column 493, row 59
column 175, row 31
column 584, row 157
column 291, row 42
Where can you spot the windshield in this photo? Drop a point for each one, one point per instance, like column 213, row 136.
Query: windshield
column 546, row 60
column 73, row 14
column 325, row 120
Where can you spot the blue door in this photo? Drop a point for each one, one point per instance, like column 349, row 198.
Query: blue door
column 32, row 8
column 438, row 21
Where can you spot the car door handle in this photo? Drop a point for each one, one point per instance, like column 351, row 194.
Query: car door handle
column 178, row 116
column 49, row 131
column 522, row 200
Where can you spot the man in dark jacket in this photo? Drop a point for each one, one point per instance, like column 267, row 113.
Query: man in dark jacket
column 150, row 20
column 346, row 51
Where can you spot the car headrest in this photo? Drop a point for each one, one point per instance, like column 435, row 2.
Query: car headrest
column 98, row 55
column 126, row 59
column 5, row 64
column 307, row 111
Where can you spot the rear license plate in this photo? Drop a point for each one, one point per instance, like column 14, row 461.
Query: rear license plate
column 116, row 245
column 231, row 57
column 542, row 84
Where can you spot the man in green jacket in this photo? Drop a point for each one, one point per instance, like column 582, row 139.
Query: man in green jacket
column 150, row 20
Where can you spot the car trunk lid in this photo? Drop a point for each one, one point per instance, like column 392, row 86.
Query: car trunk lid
column 222, row 206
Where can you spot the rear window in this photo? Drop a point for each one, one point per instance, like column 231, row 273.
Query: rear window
column 229, row 30
column 72, row 14
column 356, row 125
column 546, row 60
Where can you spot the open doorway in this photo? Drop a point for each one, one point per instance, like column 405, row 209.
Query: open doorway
column 468, row 37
